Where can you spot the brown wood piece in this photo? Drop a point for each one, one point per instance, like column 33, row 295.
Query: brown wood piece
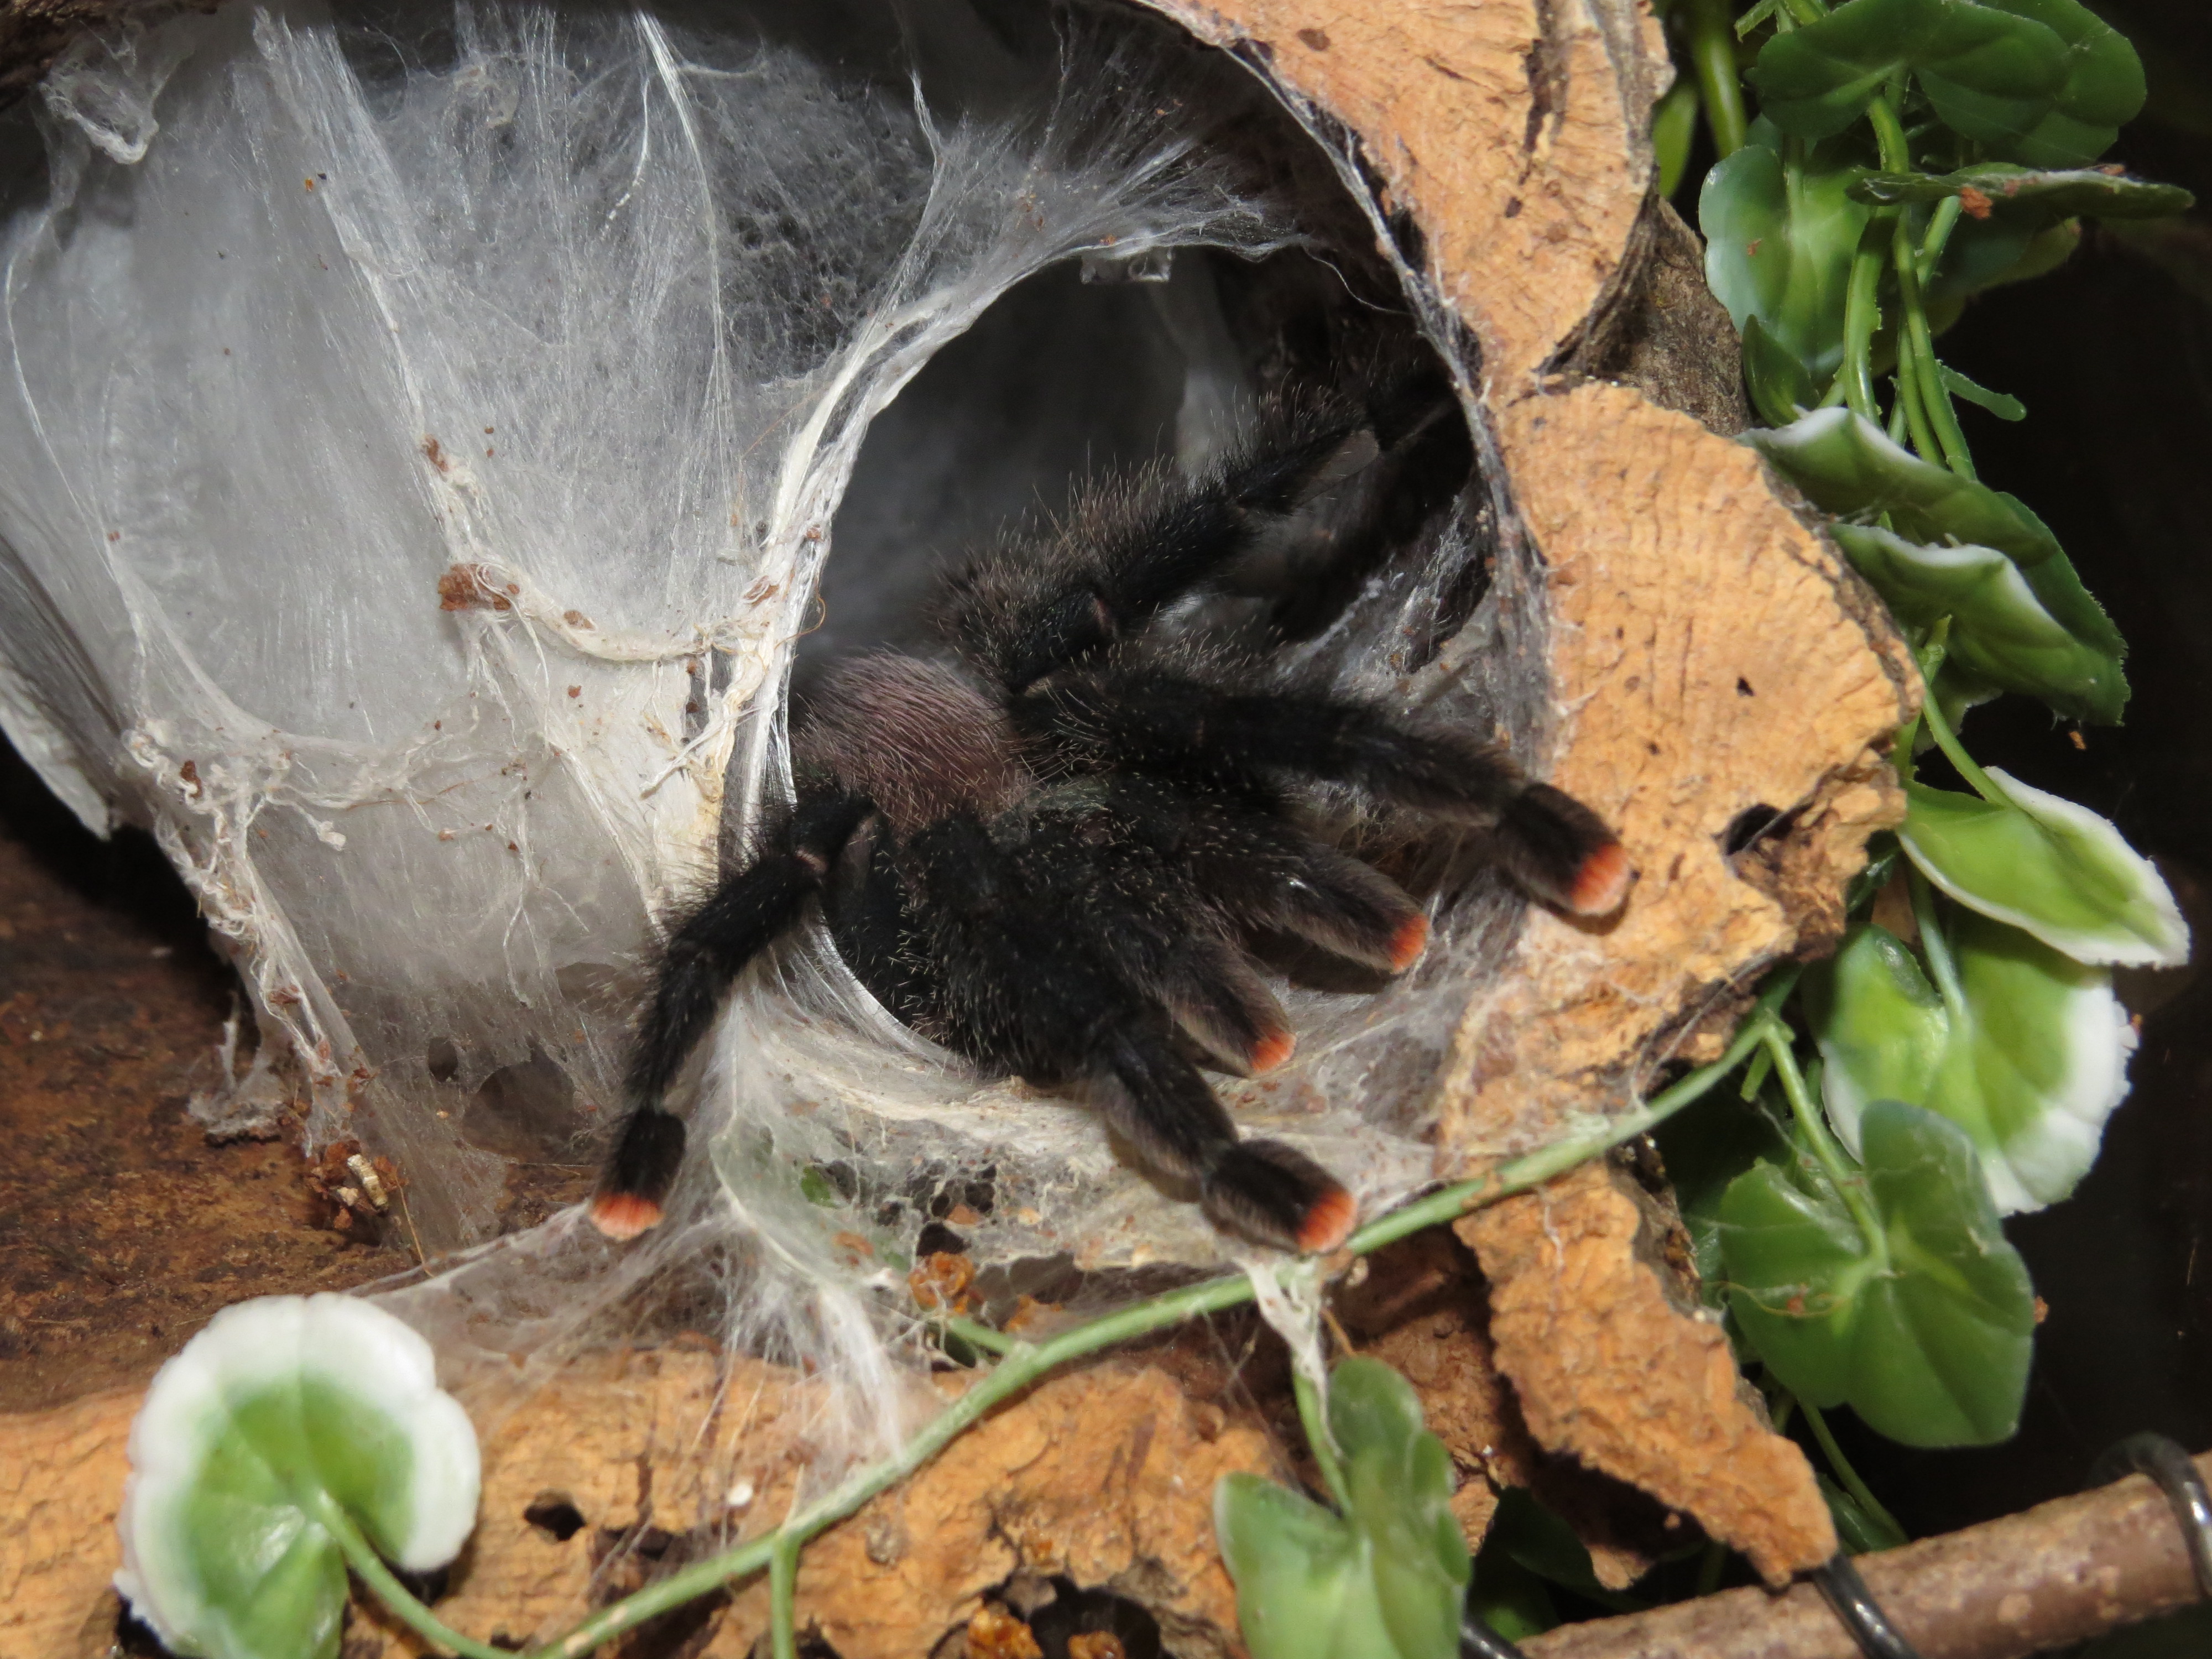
column 2060, row 1573
column 1710, row 655
column 1107, row 1474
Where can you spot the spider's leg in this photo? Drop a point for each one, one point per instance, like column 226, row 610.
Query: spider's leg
column 1262, row 1188
column 744, row 917
column 1176, row 727
column 872, row 923
column 1031, row 996
column 1127, row 906
column 1022, row 610
column 1263, row 872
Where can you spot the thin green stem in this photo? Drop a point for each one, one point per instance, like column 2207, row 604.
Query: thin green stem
column 1916, row 380
column 1314, row 1419
column 1908, row 738
column 1024, row 1363
column 1889, row 136
column 1940, row 965
column 1712, row 1563
column 1940, row 223
column 1712, row 56
column 1916, row 344
column 1861, row 319
column 782, row 1596
column 1846, row 1473
column 368, row 1567
column 977, row 1335
column 1849, row 1185
column 1932, row 711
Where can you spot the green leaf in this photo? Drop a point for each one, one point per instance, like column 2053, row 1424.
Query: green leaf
column 278, row 1403
column 1990, row 74
column 2051, row 195
column 1674, row 130
column 1387, row 1580
column 2002, row 404
column 1779, row 238
column 2029, row 1060
column 2049, row 865
column 1925, row 1328
column 1400, row 1480
column 1301, row 1592
column 2001, row 634
column 2100, row 90
column 1847, row 467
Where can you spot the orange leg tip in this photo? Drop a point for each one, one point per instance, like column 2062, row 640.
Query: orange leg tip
column 622, row 1216
column 1328, row 1223
column 1407, row 943
column 1602, row 882
column 1272, row 1049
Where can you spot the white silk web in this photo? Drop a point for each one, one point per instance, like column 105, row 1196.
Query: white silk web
column 424, row 431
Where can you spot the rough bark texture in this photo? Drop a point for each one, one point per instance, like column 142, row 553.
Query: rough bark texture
column 1631, row 1381
column 2030, row 1584
column 1106, row 1476
column 1713, row 659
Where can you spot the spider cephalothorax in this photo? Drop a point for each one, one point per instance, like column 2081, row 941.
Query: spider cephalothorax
column 1048, row 844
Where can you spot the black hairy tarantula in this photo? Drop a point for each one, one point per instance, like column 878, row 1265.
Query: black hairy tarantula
column 1048, row 844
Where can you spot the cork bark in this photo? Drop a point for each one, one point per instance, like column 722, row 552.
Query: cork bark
column 1715, row 666
column 604, row 1478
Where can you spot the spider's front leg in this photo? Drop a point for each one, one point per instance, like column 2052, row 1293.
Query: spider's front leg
column 747, row 912
column 1037, row 996
column 1172, row 726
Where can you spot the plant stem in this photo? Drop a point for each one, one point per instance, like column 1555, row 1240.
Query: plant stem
column 1916, row 344
column 782, row 1589
column 1315, row 1420
column 1947, row 740
column 1025, row 1363
column 368, row 1567
column 1712, row 53
column 1862, row 317
column 1850, row 1476
column 1937, row 949
column 1849, row 1186
column 977, row 1334
column 1889, row 136
column 1940, row 226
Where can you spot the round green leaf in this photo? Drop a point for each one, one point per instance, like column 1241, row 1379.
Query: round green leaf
column 1925, row 1328
column 1986, row 70
column 2047, row 865
column 278, row 1404
column 1301, row 1592
column 2099, row 91
column 2030, row 1062
column 1778, row 244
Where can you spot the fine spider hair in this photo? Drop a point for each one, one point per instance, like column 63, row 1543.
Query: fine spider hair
column 1050, row 843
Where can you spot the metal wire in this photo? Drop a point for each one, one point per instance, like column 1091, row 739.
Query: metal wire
column 1477, row 1641
column 2176, row 1473
column 1860, row 1613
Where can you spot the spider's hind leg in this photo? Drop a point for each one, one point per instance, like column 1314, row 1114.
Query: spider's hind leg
column 746, row 915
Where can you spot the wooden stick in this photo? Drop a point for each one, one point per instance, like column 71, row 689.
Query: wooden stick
column 2060, row 1572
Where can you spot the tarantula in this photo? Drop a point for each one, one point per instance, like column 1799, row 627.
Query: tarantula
column 1049, row 844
